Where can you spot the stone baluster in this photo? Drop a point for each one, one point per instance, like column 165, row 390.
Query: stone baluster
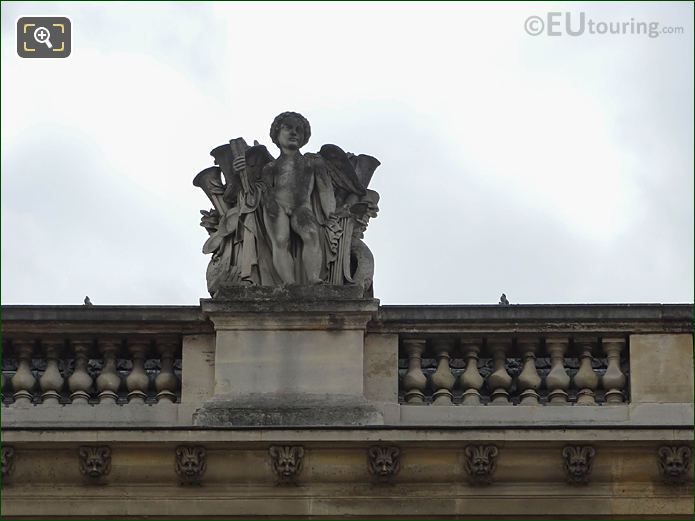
column 557, row 381
column 471, row 380
column 586, row 379
column 613, row 380
column 52, row 382
column 109, row 381
column 23, row 381
column 80, row 382
column 499, row 380
column 166, row 383
column 442, row 379
column 529, row 381
column 414, row 381
column 137, row 381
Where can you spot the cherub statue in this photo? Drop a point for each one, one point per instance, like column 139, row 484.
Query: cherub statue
column 297, row 219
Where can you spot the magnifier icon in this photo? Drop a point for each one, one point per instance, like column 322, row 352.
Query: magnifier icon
column 43, row 35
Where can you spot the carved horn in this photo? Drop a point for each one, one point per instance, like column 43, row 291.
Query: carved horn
column 684, row 452
column 210, row 181
column 364, row 166
column 664, row 451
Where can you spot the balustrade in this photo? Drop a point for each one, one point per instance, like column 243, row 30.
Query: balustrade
column 442, row 379
column 90, row 371
column 415, row 380
column 613, row 379
column 529, row 382
column 471, row 381
column 529, row 370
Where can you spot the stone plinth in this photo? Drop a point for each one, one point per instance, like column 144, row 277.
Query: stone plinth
column 289, row 356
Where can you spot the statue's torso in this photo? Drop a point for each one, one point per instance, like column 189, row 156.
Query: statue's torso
column 293, row 181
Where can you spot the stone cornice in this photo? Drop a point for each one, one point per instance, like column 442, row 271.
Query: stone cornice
column 536, row 318
column 543, row 318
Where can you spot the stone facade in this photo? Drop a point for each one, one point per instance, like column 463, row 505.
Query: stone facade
column 338, row 407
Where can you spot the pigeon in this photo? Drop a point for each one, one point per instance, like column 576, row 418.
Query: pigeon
column 87, row 302
column 503, row 300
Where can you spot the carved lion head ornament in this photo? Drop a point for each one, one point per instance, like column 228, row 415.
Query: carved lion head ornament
column 287, row 461
column 7, row 460
column 95, row 462
column 191, row 463
column 384, row 461
column 578, row 461
column 674, row 462
column 481, row 462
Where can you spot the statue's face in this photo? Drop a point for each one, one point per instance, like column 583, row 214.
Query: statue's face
column 291, row 134
column 577, row 467
column 287, row 466
column 480, row 466
column 674, row 466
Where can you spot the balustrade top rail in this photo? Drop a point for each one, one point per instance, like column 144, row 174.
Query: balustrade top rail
column 628, row 318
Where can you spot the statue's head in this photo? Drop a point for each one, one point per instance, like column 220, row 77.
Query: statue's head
column 674, row 462
column 95, row 462
column 287, row 461
column 290, row 130
column 578, row 460
column 481, row 463
column 384, row 462
column 190, row 462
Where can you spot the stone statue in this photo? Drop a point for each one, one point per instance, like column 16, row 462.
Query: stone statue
column 295, row 220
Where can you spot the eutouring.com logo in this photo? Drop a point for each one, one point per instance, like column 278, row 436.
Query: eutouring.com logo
column 557, row 23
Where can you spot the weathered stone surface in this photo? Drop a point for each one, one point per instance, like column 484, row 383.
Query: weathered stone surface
column 381, row 368
column 287, row 409
column 335, row 479
column 661, row 368
column 198, row 359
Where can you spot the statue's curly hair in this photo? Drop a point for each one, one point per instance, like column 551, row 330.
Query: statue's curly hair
column 277, row 123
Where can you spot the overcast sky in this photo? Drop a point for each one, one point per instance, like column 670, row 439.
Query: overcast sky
column 556, row 169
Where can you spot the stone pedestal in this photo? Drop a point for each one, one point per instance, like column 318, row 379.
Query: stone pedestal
column 289, row 356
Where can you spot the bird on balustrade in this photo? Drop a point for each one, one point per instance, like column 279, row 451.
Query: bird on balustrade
column 87, row 302
column 503, row 300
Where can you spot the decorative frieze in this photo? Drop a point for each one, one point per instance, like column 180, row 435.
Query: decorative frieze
column 191, row 463
column 578, row 460
column 7, row 460
column 384, row 462
column 95, row 461
column 674, row 463
column 287, row 462
column 480, row 463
